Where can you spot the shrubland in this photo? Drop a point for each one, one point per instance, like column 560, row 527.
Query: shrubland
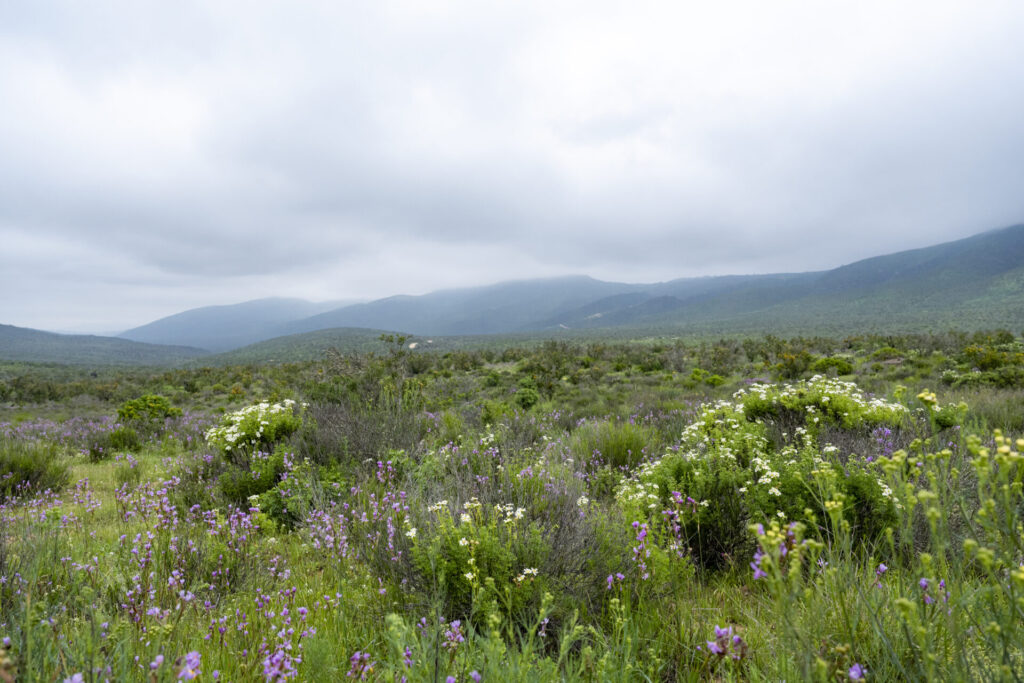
column 743, row 509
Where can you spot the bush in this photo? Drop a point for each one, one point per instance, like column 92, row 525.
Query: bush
column 30, row 465
column 728, row 472
column 148, row 408
column 617, row 444
column 840, row 365
column 479, row 550
column 350, row 432
column 125, row 439
column 526, row 397
column 254, row 427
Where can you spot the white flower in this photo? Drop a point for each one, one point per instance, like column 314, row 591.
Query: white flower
column 774, row 491
column 469, row 576
column 463, row 542
column 465, row 519
column 411, row 533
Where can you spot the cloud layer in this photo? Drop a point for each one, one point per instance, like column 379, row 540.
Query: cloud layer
column 158, row 156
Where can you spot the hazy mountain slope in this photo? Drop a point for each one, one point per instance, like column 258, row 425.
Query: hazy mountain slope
column 219, row 328
column 974, row 282
column 500, row 308
column 36, row 346
column 301, row 347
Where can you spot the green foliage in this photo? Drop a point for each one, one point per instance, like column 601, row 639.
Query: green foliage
column 256, row 427
column 526, row 395
column 485, row 557
column 238, row 484
column 618, row 444
column 124, row 439
column 148, row 408
column 30, row 467
column 729, row 472
column 890, row 543
column 840, row 366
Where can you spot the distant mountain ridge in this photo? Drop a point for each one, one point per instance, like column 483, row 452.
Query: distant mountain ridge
column 35, row 346
column 221, row 328
column 974, row 282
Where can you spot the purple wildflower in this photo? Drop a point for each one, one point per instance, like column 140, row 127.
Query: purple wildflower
column 190, row 669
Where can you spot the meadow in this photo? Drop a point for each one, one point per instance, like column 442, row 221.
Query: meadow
column 756, row 508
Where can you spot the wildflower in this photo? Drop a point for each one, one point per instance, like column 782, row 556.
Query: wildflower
column 475, row 676
column 469, row 576
column 465, row 519
column 727, row 643
column 453, row 637
column 361, row 666
column 411, row 533
column 77, row 678
column 190, row 669
column 759, row 573
column 856, row 672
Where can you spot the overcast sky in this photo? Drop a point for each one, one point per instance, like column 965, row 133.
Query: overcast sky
column 157, row 156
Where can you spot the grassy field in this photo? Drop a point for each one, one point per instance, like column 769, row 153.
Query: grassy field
column 739, row 509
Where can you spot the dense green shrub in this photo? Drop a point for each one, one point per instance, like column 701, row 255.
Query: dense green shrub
column 125, row 439
column 841, row 366
column 619, row 444
column 259, row 475
column 484, row 554
column 38, row 465
column 151, row 407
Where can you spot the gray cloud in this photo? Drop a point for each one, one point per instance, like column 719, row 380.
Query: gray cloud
column 157, row 157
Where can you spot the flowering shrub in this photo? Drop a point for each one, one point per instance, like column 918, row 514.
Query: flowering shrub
column 483, row 555
column 819, row 400
column 256, row 426
column 731, row 472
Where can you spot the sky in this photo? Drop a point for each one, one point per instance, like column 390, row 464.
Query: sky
column 159, row 156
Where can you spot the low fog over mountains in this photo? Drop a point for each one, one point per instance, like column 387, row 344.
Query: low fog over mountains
column 970, row 283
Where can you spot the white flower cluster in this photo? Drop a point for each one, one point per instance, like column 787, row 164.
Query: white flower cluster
column 511, row 512
column 827, row 390
column 246, row 427
column 528, row 572
column 723, row 430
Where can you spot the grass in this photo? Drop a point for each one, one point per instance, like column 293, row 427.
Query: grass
column 135, row 567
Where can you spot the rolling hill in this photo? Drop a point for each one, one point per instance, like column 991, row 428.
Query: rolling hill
column 36, row 346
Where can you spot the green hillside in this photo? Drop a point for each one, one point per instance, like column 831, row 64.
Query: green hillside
column 35, row 346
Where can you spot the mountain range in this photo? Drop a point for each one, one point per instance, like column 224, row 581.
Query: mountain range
column 970, row 283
